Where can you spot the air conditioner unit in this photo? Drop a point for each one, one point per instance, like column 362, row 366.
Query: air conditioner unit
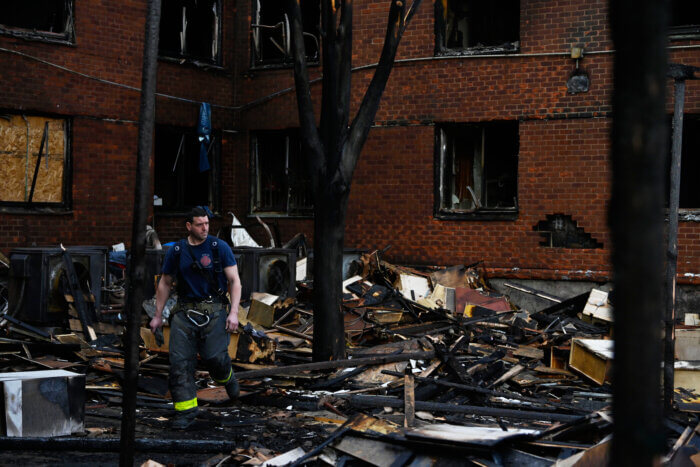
column 351, row 259
column 269, row 270
column 35, row 295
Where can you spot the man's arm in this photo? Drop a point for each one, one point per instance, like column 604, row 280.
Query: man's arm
column 234, row 291
column 162, row 294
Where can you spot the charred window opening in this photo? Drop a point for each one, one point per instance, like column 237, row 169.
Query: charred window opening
column 190, row 30
column 179, row 183
column 477, row 166
column 476, row 27
column 561, row 231
column 271, row 31
column 280, row 183
column 35, row 169
column 685, row 19
column 689, row 199
column 48, row 20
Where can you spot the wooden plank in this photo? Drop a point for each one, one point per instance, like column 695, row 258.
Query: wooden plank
column 592, row 358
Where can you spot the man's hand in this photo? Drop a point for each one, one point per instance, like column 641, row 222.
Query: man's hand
column 232, row 321
column 156, row 323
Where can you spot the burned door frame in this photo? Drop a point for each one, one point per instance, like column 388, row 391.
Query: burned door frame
column 67, row 36
column 182, row 55
column 255, row 176
column 31, row 167
column 478, row 211
column 476, row 45
column 214, row 176
column 284, row 44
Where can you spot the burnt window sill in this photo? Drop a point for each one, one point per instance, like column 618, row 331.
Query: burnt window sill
column 280, row 215
column 201, row 64
column 481, row 215
column 689, row 215
column 280, row 66
column 40, row 210
column 39, row 36
column 507, row 48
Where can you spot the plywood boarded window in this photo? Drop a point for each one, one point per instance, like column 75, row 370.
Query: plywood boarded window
column 20, row 143
column 476, row 169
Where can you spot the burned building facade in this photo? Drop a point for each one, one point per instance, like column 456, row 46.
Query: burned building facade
column 491, row 142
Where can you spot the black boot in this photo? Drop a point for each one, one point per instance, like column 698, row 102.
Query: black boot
column 232, row 388
column 184, row 418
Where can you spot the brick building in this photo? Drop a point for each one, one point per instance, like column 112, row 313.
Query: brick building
column 490, row 144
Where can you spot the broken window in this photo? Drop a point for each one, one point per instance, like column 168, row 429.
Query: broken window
column 50, row 20
column 476, row 26
column 180, row 183
column 685, row 19
column 35, row 160
column 689, row 199
column 477, row 166
column 271, row 31
column 560, row 230
column 280, row 183
column 190, row 30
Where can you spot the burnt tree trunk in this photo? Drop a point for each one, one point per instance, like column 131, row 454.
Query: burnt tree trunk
column 636, row 222
column 333, row 148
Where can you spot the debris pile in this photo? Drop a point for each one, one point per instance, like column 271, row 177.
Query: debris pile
column 440, row 367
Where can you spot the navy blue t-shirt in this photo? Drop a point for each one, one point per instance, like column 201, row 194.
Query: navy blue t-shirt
column 196, row 286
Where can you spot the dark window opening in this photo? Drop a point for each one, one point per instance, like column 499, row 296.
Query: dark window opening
column 685, row 19
column 35, row 169
column 477, row 166
column 271, row 31
column 561, row 231
column 474, row 27
column 179, row 184
column 50, row 20
column 190, row 30
column 689, row 198
column 280, row 182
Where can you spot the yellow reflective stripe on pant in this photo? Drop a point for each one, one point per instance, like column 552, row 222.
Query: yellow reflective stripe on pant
column 224, row 381
column 185, row 405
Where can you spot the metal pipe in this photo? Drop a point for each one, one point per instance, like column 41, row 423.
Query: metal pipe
column 137, row 266
column 672, row 251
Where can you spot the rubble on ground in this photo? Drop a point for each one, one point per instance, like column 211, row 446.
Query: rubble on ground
column 440, row 368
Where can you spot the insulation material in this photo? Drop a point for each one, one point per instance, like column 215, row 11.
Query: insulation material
column 19, row 160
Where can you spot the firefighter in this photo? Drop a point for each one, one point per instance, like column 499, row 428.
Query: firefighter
column 204, row 269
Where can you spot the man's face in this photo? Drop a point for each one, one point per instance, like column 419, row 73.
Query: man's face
column 198, row 228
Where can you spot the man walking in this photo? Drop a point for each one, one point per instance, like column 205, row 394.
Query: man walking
column 203, row 268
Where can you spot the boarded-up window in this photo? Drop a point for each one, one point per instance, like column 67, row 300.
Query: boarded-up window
column 20, row 143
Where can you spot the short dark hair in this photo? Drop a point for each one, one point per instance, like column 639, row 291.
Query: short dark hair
column 196, row 211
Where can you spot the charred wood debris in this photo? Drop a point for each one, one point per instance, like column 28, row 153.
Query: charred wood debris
column 441, row 369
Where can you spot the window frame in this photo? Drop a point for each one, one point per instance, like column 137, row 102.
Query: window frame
column 684, row 213
column 479, row 213
column 682, row 32
column 288, row 61
column 181, row 207
column 181, row 58
column 65, row 38
column 300, row 213
column 67, row 176
column 441, row 48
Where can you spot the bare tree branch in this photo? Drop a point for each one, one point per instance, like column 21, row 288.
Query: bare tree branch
column 398, row 17
column 310, row 135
